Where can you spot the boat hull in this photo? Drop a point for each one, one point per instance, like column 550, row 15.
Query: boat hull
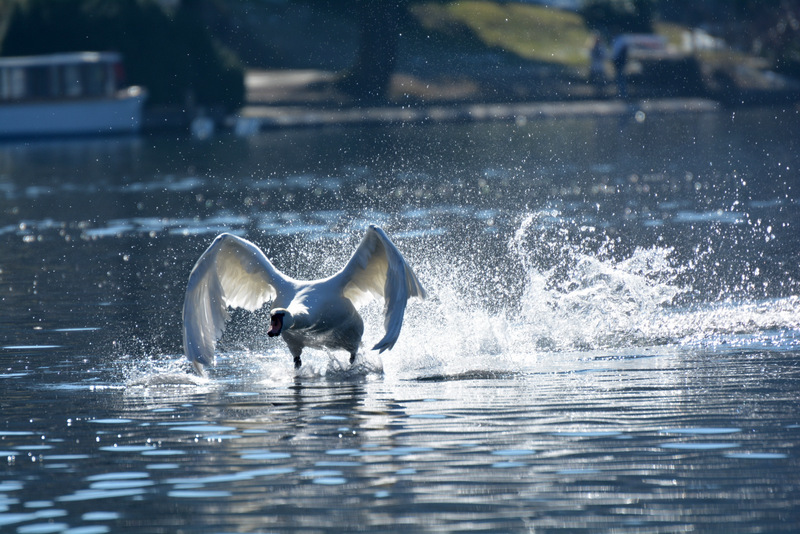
column 89, row 116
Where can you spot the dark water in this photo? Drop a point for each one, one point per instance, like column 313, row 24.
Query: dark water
column 611, row 342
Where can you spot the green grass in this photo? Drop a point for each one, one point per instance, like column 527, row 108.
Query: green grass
column 531, row 32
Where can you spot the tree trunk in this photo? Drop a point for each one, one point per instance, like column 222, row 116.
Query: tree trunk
column 368, row 80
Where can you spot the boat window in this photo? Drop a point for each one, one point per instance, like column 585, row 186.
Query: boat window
column 95, row 77
column 53, row 80
column 38, row 85
column 12, row 83
column 60, row 76
column 72, row 80
column 4, row 84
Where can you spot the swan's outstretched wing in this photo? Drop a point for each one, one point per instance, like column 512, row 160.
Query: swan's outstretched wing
column 378, row 269
column 231, row 272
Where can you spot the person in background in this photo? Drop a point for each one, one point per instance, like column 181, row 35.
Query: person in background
column 597, row 63
column 619, row 56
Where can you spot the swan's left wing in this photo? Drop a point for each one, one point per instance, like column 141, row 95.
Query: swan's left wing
column 231, row 272
column 378, row 269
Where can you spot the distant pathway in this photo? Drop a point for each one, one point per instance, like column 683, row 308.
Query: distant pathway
column 275, row 87
column 305, row 98
column 310, row 98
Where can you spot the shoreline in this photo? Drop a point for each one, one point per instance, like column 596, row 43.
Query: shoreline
column 309, row 99
column 262, row 117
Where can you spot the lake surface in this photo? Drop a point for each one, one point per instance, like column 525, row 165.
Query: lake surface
column 611, row 342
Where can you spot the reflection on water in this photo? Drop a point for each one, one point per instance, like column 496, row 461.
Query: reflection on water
column 611, row 342
column 587, row 442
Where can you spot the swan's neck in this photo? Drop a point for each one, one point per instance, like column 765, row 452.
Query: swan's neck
column 288, row 319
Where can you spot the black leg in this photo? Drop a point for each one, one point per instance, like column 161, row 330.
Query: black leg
column 296, row 352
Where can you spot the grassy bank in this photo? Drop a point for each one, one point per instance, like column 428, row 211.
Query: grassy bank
column 525, row 35
column 533, row 33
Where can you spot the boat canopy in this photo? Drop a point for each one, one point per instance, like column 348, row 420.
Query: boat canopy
column 60, row 76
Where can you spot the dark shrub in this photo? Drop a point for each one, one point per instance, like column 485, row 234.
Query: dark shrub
column 172, row 56
column 613, row 17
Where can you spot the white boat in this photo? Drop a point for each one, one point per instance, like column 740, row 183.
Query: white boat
column 78, row 93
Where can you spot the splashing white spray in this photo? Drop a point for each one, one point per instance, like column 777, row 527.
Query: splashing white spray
column 537, row 296
column 576, row 301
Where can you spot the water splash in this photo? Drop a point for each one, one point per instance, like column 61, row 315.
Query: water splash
column 560, row 295
column 500, row 305
column 164, row 371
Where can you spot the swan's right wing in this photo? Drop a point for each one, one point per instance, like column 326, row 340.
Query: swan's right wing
column 378, row 269
column 231, row 272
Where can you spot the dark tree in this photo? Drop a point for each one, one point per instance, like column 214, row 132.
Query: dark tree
column 174, row 57
column 619, row 16
column 380, row 23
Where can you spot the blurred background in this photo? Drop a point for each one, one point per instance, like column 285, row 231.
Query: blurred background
column 216, row 56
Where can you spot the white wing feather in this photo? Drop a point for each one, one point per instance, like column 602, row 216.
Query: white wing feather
column 377, row 269
column 232, row 272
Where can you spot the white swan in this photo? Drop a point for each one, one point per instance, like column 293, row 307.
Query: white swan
column 319, row 314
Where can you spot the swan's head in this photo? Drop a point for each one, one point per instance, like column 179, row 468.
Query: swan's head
column 279, row 318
